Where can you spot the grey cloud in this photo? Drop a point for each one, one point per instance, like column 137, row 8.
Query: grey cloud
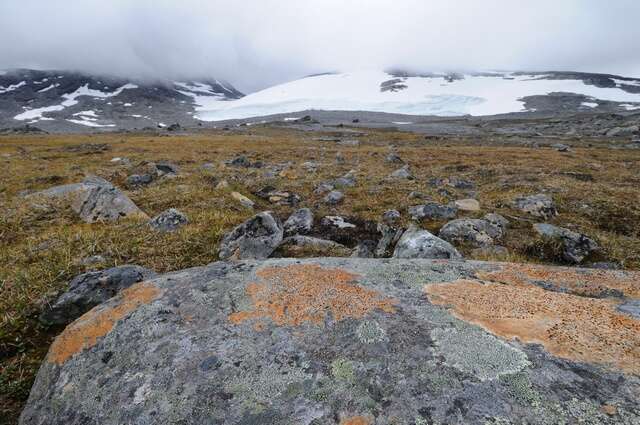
column 256, row 43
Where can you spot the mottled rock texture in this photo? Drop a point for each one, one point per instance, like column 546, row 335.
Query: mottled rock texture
column 351, row 341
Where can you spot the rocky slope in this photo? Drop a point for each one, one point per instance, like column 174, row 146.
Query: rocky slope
column 351, row 342
column 67, row 101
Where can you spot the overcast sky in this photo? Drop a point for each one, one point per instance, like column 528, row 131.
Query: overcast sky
column 257, row 43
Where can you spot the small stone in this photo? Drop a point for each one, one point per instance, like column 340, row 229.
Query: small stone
column 334, row 198
column 208, row 166
column 323, row 188
column 433, row 211
column 540, row 205
column 365, row 249
column 223, row 184
column 560, row 147
column 471, row 231
column 299, row 245
column 168, row 221
column 467, row 204
column 239, row 161
column 402, row 173
column 394, row 158
column 497, row 220
column 137, row 180
column 391, row 217
column 243, row 200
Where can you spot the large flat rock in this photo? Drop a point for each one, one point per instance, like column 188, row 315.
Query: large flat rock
column 353, row 342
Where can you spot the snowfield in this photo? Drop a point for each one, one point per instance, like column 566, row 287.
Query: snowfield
column 476, row 95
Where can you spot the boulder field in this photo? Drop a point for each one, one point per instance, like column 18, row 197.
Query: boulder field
column 353, row 342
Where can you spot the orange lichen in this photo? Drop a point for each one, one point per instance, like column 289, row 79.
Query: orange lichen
column 98, row 322
column 356, row 420
column 568, row 326
column 593, row 283
column 296, row 294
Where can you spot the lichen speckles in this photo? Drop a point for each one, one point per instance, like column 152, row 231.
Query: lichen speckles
column 370, row 332
column 85, row 331
column 356, row 420
column 584, row 282
column 473, row 351
column 569, row 326
column 299, row 293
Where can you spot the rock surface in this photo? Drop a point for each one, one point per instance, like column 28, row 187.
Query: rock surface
column 433, row 211
column 300, row 222
column 540, row 205
column 90, row 289
column 256, row 238
column 474, row 232
column 349, row 342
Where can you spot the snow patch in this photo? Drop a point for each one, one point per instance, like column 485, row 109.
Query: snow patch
column 401, row 122
column 475, row 95
column 12, row 87
column 630, row 107
column 90, row 123
column 52, row 86
column 590, row 104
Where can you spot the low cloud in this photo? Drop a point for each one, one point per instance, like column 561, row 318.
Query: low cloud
column 257, row 43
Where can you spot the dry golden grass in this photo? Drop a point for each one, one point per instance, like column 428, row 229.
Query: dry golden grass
column 41, row 248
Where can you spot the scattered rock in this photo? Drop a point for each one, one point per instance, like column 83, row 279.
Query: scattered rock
column 474, row 232
column 90, row 289
column 454, row 182
column 87, row 148
column 174, row 127
column 336, row 221
column 300, row 245
column 561, row 147
column 498, row 221
column 334, row 198
column 433, row 211
column 136, row 180
column 222, row 184
column 323, row 188
column 94, row 199
column 402, row 173
column 394, row 158
column 418, row 243
column 92, row 260
column 622, row 131
column 168, row 221
column 278, row 197
column 239, row 161
column 540, row 205
column 300, row 222
column 576, row 246
column 310, row 166
column 391, row 217
column 256, row 238
column 416, row 195
column 340, row 158
column 209, row 166
column 348, row 180
column 243, row 200
column 467, row 204
column 349, row 143
column 166, row 168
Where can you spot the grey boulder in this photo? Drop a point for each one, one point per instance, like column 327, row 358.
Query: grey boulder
column 300, row 222
column 308, row 246
column 575, row 246
column 540, row 205
column 402, row 173
column 474, row 232
column 256, row 238
column 334, row 198
column 433, row 211
column 418, row 243
column 168, row 221
column 90, row 289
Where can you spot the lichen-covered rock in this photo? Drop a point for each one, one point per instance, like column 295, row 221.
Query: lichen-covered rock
column 575, row 246
column 168, row 221
column 256, row 238
column 402, row 173
column 334, row 198
column 468, row 204
column 474, row 232
column 433, row 211
column 300, row 222
column 90, row 289
column 418, row 243
column 540, row 205
column 308, row 246
column 348, row 341
column 95, row 199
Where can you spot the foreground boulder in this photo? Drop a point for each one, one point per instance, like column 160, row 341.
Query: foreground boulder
column 418, row 243
column 350, row 341
column 90, row 289
column 300, row 222
column 256, row 238
column 575, row 246
column 95, row 199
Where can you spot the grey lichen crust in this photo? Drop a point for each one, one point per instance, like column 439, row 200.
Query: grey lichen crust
column 180, row 357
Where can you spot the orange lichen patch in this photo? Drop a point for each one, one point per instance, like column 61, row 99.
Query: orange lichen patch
column 296, row 294
column 569, row 326
column 592, row 283
column 96, row 323
column 356, row 420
